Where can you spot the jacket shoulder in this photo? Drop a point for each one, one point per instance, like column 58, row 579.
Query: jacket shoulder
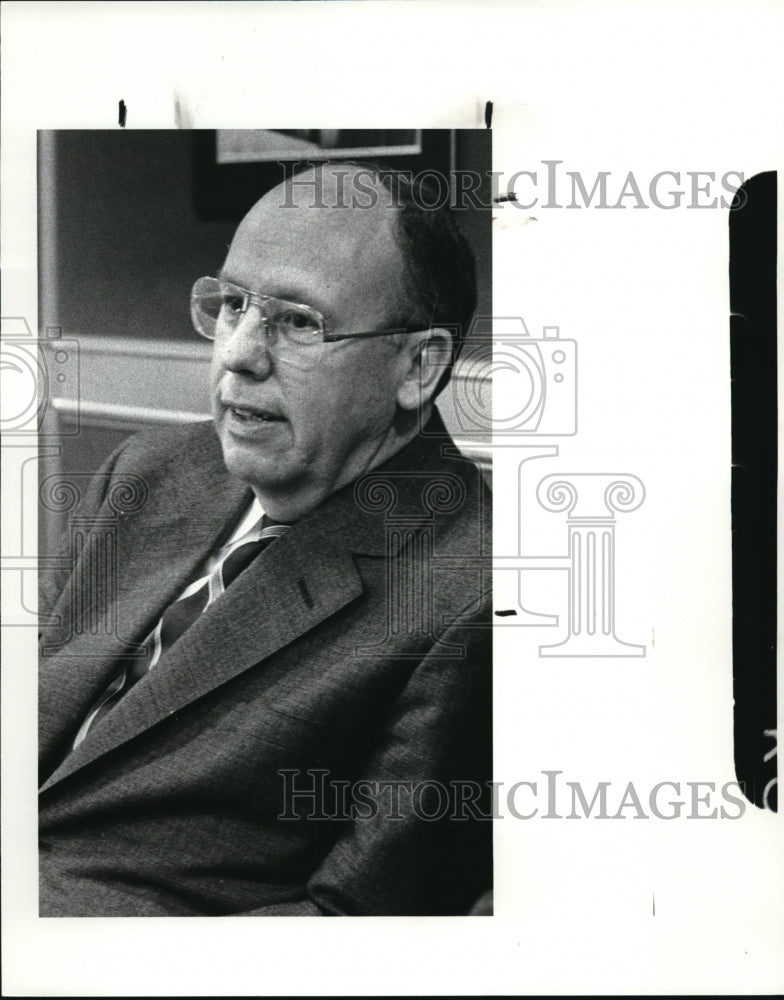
column 157, row 448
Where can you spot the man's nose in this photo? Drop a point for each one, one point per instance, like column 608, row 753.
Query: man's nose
column 245, row 348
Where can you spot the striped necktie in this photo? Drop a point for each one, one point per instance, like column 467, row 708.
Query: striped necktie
column 179, row 616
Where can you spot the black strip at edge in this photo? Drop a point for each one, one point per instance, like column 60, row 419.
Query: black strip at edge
column 753, row 354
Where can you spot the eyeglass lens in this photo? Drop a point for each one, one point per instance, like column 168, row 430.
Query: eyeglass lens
column 220, row 306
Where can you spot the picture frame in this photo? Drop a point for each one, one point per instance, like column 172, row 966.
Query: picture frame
column 233, row 168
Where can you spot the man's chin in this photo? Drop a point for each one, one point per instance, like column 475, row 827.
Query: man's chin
column 257, row 466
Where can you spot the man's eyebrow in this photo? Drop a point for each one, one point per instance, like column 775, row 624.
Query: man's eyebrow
column 288, row 293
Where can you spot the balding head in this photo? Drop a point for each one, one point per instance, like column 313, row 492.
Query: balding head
column 297, row 428
column 343, row 260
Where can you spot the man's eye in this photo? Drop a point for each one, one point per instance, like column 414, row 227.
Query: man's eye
column 296, row 324
column 232, row 303
column 297, row 321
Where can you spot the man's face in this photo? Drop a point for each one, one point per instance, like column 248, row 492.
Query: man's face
column 294, row 432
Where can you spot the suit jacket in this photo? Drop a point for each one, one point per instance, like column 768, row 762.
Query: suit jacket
column 356, row 649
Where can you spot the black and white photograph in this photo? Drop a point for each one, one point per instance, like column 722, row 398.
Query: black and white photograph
column 390, row 517
column 266, row 645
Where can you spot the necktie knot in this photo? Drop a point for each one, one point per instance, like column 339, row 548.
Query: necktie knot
column 179, row 616
column 241, row 557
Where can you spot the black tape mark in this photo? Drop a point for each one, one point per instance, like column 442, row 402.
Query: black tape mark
column 488, row 114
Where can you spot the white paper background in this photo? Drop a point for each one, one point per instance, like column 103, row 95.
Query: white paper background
column 616, row 87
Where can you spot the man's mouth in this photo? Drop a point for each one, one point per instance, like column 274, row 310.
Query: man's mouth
column 252, row 414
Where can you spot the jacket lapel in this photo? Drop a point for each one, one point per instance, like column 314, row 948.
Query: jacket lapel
column 302, row 579
column 292, row 587
column 155, row 561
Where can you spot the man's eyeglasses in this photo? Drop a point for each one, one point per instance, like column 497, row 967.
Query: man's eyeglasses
column 294, row 332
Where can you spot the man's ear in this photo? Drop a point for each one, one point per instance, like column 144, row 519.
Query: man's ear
column 429, row 356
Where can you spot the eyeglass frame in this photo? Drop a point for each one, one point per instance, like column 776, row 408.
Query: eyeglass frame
column 327, row 338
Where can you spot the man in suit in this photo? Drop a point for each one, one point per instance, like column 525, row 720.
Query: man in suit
column 307, row 733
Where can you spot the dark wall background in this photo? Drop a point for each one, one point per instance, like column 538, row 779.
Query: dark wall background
column 122, row 241
column 126, row 241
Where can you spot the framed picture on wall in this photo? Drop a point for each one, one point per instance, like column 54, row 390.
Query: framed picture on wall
column 239, row 145
column 233, row 168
